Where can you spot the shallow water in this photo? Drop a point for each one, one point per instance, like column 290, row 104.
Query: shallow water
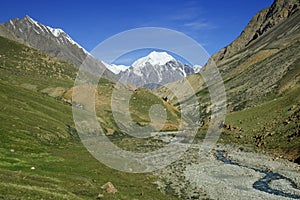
column 263, row 183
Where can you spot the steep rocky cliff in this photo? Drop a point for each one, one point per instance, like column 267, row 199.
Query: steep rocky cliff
column 260, row 24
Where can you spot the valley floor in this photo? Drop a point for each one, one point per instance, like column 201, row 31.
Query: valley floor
column 233, row 176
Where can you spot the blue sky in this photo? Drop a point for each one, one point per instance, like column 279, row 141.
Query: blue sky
column 212, row 23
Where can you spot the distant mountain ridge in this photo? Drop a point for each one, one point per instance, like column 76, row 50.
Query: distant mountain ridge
column 52, row 41
column 153, row 70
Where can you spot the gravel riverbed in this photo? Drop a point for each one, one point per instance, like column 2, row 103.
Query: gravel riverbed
column 200, row 175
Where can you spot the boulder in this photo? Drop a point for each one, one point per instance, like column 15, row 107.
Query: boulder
column 109, row 188
column 110, row 131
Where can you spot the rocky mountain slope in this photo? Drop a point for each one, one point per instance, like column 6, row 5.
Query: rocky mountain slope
column 152, row 71
column 55, row 42
column 261, row 74
column 52, row 41
column 260, row 24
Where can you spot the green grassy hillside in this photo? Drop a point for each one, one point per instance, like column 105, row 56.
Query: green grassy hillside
column 41, row 156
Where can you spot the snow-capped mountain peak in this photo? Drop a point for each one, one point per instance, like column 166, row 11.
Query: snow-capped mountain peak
column 197, row 68
column 52, row 41
column 58, row 33
column 116, row 69
column 154, row 58
column 153, row 70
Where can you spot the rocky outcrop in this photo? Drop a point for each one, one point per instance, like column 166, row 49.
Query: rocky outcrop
column 261, row 23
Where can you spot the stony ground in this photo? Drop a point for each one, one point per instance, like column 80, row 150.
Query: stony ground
column 202, row 176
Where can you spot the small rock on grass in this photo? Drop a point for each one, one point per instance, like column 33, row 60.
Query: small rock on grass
column 109, row 188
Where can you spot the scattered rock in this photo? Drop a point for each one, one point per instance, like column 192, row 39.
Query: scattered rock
column 109, row 188
column 259, row 140
column 270, row 169
column 293, row 108
column 100, row 196
column 230, row 127
column 110, row 131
